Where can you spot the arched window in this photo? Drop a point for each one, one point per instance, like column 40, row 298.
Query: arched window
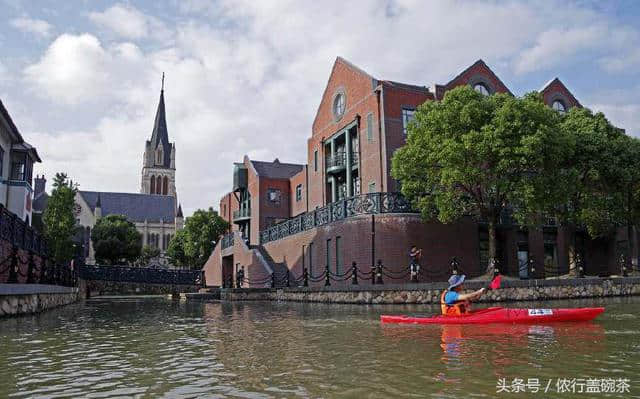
column 159, row 158
column 559, row 106
column 481, row 88
column 153, row 185
column 165, row 185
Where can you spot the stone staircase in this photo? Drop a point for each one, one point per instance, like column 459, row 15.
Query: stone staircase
column 279, row 268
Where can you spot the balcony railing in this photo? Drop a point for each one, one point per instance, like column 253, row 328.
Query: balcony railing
column 227, row 241
column 244, row 213
column 365, row 204
column 339, row 159
column 19, row 233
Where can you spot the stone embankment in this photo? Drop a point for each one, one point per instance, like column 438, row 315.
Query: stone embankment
column 429, row 293
column 17, row 299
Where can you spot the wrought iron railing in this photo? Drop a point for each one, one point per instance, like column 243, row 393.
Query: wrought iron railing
column 148, row 275
column 227, row 240
column 242, row 213
column 365, row 204
column 19, row 233
column 339, row 158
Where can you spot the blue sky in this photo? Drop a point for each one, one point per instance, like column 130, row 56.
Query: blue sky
column 81, row 78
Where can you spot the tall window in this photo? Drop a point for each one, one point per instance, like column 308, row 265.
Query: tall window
column 329, row 252
column 370, row 126
column 165, row 185
column 338, row 255
column 407, row 116
column 17, row 170
column 153, row 185
column 159, row 160
column 315, row 161
column 299, row 193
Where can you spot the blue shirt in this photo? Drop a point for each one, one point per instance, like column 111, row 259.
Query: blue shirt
column 451, row 297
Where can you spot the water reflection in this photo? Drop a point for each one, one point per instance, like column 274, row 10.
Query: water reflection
column 159, row 348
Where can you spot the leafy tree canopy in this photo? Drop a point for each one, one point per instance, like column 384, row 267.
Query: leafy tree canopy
column 192, row 246
column 116, row 240
column 59, row 220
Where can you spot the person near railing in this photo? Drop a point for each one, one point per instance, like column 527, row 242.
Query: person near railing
column 240, row 277
column 415, row 254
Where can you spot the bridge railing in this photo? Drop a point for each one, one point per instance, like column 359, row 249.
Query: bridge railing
column 146, row 275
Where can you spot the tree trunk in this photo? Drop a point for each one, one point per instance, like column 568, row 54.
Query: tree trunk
column 492, row 244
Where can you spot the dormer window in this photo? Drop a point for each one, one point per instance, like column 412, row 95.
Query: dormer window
column 481, row 88
column 559, row 106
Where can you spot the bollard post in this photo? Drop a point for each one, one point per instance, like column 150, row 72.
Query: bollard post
column 379, row 272
column 305, row 276
column 327, row 279
column 373, row 276
column 354, row 274
column 273, row 280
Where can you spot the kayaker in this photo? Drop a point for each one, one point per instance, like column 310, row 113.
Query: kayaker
column 452, row 302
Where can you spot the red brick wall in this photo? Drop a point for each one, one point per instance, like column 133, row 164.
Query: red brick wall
column 556, row 90
column 393, row 236
column 360, row 100
column 395, row 99
column 477, row 69
column 298, row 207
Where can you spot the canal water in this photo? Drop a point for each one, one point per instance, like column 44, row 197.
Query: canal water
column 155, row 347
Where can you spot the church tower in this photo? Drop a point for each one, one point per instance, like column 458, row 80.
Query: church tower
column 159, row 162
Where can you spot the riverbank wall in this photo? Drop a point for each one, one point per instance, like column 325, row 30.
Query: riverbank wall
column 19, row 299
column 429, row 293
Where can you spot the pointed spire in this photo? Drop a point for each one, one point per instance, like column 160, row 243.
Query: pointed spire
column 179, row 211
column 98, row 202
column 160, row 134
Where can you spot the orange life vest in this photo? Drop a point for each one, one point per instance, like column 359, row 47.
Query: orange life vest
column 457, row 309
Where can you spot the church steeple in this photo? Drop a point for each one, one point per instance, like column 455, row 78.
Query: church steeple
column 158, row 163
column 160, row 135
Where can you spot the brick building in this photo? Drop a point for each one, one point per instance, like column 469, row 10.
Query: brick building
column 342, row 206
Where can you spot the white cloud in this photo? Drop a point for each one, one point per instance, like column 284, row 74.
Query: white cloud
column 246, row 77
column 29, row 25
column 128, row 22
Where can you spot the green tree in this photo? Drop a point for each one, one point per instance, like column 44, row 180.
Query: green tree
column 146, row 254
column 59, row 220
column 175, row 251
column 482, row 155
column 192, row 246
column 116, row 240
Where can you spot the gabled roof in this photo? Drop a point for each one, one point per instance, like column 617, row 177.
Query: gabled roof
column 136, row 207
column 481, row 63
column 276, row 169
column 17, row 137
column 557, row 80
column 160, row 135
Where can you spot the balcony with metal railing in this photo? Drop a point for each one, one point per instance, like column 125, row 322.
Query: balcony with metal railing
column 241, row 215
column 337, row 162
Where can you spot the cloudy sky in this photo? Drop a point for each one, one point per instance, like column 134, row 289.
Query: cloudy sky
column 81, row 79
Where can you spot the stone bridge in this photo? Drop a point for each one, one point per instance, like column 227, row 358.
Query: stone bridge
column 125, row 280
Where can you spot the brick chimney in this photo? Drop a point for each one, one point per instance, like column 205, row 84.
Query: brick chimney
column 39, row 186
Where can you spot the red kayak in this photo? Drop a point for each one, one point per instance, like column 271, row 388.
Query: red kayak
column 502, row 315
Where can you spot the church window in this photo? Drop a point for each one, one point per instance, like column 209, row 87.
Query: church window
column 159, row 160
column 558, row 105
column 153, row 185
column 165, row 184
